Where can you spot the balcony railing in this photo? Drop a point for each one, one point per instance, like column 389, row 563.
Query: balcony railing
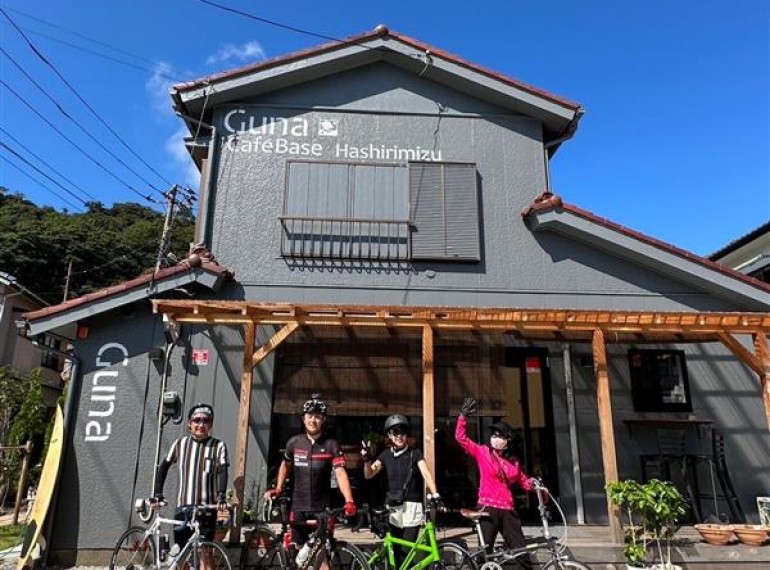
column 345, row 238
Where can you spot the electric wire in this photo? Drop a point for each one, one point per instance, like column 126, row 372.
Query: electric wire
column 73, row 143
column 80, row 97
column 59, row 196
column 75, row 121
column 102, row 55
column 70, row 182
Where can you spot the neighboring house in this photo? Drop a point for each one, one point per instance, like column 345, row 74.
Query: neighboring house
column 19, row 352
column 387, row 236
column 749, row 254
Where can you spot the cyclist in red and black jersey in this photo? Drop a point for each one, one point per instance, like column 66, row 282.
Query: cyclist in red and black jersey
column 311, row 456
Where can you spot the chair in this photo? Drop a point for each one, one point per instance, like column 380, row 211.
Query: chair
column 672, row 456
column 717, row 463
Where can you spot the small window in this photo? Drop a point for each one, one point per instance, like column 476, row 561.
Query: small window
column 49, row 358
column 659, row 381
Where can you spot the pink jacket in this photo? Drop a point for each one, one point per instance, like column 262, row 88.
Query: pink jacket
column 497, row 473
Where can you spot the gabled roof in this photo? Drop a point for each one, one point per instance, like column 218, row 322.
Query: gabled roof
column 196, row 98
column 199, row 267
column 550, row 212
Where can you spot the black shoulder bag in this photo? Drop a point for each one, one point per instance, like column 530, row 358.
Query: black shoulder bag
column 397, row 497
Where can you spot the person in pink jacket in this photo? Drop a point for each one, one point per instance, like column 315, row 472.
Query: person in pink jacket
column 497, row 473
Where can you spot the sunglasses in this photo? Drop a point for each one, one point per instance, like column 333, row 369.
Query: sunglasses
column 200, row 421
column 397, row 432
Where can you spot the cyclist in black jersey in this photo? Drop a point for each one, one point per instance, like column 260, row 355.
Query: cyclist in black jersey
column 311, row 457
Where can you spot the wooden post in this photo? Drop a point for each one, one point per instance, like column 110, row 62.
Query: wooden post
column 22, row 490
column 606, row 429
column 428, row 407
column 242, row 436
column 763, row 354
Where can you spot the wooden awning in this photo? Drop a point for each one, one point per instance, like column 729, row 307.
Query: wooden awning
column 598, row 327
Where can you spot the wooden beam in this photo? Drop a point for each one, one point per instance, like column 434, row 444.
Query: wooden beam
column 744, row 355
column 763, row 354
column 428, row 399
column 242, row 435
column 606, row 429
column 273, row 343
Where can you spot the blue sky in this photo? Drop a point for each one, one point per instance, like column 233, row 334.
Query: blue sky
column 675, row 141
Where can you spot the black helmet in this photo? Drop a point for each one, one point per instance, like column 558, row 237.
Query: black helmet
column 396, row 420
column 503, row 429
column 201, row 408
column 315, row 405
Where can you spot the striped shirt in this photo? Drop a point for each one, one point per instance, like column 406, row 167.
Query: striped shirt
column 197, row 463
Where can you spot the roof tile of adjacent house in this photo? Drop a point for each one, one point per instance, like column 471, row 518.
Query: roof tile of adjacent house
column 550, row 201
column 199, row 258
column 379, row 31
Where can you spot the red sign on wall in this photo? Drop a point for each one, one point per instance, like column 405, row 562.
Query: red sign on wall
column 200, row 356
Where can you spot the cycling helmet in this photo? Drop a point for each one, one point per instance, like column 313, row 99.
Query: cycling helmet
column 201, row 408
column 396, row 420
column 503, row 429
column 315, row 405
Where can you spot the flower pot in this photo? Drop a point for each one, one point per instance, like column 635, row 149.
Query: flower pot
column 715, row 534
column 750, row 534
column 666, row 567
column 632, row 567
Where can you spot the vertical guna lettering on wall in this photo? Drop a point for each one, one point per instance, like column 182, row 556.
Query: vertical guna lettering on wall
column 103, row 389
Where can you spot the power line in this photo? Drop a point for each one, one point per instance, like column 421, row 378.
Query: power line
column 82, row 100
column 62, row 198
column 102, row 55
column 18, row 142
column 71, row 118
column 73, row 143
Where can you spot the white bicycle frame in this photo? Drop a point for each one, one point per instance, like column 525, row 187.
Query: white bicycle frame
column 153, row 532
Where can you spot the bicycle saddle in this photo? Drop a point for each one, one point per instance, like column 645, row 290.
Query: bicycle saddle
column 473, row 515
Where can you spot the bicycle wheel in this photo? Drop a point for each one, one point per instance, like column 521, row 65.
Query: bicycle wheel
column 211, row 553
column 381, row 560
column 565, row 565
column 452, row 556
column 134, row 551
column 344, row 556
column 264, row 552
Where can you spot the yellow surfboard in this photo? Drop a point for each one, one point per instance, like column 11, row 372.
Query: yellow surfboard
column 45, row 492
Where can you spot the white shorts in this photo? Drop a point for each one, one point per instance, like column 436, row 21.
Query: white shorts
column 407, row 515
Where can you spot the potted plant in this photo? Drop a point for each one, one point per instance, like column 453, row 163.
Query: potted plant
column 630, row 498
column 665, row 508
column 651, row 517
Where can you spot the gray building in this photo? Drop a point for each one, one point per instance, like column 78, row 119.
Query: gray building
column 385, row 234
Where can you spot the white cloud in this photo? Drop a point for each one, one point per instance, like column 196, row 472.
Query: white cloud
column 230, row 53
column 181, row 157
column 158, row 86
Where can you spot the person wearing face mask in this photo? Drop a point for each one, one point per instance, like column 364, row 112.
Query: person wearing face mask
column 406, row 469
column 497, row 473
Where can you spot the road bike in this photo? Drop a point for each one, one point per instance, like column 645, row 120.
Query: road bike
column 275, row 551
column 425, row 552
column 553, row 549
column 147, row 548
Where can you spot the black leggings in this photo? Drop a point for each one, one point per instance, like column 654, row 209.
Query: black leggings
column 409, row 533
column 507, row 523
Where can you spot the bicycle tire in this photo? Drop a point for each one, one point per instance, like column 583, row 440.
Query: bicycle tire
column 205, row 548
column 344, row 556
column 565, row 565
column 133, row 551
column 266, row 553
column 382, row 561
column 452, row 556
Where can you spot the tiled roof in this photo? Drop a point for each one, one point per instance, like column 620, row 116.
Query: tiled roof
column 379, row 31
column 549, row 201
column 741, row 241
column 200, row 258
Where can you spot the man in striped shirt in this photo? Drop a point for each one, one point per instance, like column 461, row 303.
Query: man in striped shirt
column 202, row 464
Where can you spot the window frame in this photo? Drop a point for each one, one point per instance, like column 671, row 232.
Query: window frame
column 645, row 378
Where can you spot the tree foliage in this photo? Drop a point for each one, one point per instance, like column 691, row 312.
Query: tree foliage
column 106, row 245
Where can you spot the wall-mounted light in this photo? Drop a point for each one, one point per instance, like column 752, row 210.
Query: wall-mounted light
column 171, row 329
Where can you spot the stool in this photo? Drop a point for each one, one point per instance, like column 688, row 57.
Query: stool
column 717, row 463
column 671, row 453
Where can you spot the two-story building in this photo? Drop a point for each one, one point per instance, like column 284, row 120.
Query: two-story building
column 385, row 234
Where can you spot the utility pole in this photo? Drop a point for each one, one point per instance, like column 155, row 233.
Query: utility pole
column 169, row 221
column 67, row 280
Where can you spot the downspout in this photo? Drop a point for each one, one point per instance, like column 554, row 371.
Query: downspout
column 205, row 193
column 568, row 134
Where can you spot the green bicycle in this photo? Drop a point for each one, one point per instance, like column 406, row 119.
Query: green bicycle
column 426, row 552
